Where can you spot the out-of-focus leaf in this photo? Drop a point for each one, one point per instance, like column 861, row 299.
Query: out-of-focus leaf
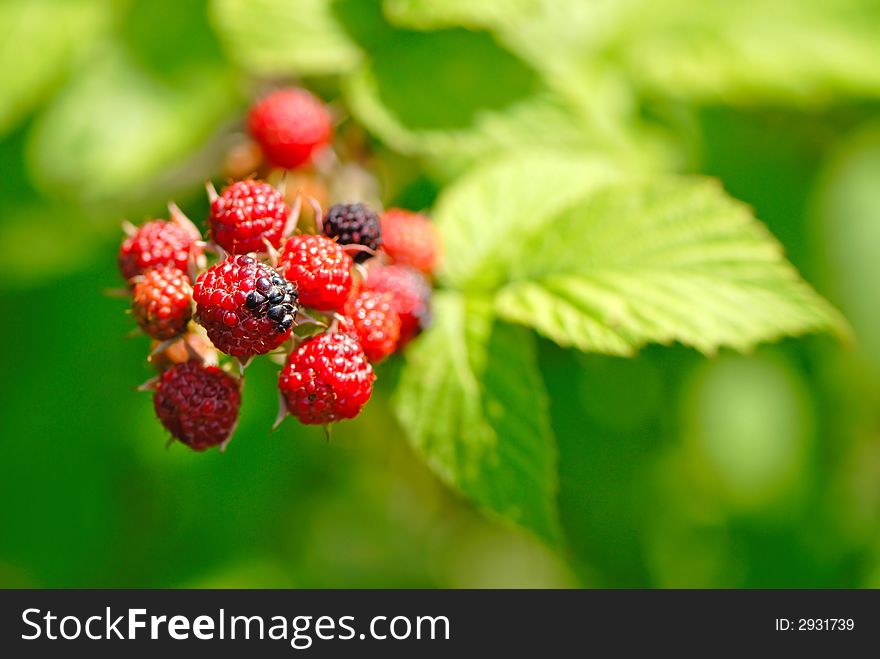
column 44, row 242
column 117, row 125
column 473, row 405
column 539, row 30
column 41, row 38
column 455, row 95
column 788, row 51
column 748, row 426
column 848, row 223
column 185, row 37
column 275, row 37
column 798, row 51
column 437, row 14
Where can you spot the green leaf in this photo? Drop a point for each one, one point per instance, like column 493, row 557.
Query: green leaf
column 801, row 52
column 485, row 218
column 275, row 37
column 785, row 51
column 434, row 14
column 473, row 405
column 426, row 93
column 41, row 38
column 118, row 124
column 660, row 261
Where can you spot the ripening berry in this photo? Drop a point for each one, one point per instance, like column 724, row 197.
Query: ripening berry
column 245, row 213
column 162, row 302
column 376, row 323
column 290, row 125
column 321, row 270
column 411, row 292
column 245, row 306
column 410, row 239
column 158, row 242
column 197, row 404
column 326, row 379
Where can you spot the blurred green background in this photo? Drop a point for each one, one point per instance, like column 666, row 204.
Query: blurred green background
column 676, row 470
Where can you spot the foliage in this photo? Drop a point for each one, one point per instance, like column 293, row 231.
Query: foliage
column 567, row 150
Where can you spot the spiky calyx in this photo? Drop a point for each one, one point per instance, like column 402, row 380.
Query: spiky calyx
column 162, row 302
column 321, row 270
column 326, row 379
column 245, row 213
column 245, row 305
column 198, row 404
column 155, row 243
column 353, row 224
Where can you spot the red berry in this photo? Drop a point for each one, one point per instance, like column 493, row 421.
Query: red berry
column 326, row 379
column 321, row 270
column 411, row 291
column 157, row 242
column 245, row 213
column 376, row 322
column 162, row 302
column 345, row 325
column 197, row 404
column 410, row 239
column 246, row 307
column 290, row 125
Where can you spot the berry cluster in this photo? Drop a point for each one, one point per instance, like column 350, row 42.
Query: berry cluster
column 327, row 304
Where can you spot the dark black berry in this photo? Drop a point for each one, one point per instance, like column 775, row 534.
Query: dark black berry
column 274, row 297
column 254, row 300
column 353, row 224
